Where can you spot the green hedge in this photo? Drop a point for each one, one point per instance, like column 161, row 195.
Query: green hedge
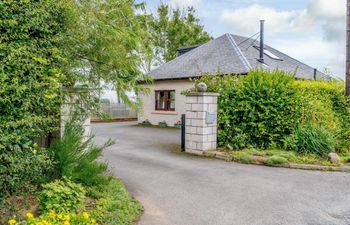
column 263, row 108
column 30, row 78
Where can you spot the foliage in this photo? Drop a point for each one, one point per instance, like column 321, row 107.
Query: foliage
column 258, row 109
column 245, row 158
column 23, row 168
column 169, row 30
column 61, row 196
column 261, row 109
column 146, row 123
column 104, row 39
column 115, row 205
column 30, row 73
column 326, row 105
column 162, row 124
column 310, row 138
column 276, row 160
column 57, row 219
column 270, row 156
column 76, row 156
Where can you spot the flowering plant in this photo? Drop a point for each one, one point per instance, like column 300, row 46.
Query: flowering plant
column 53, row 218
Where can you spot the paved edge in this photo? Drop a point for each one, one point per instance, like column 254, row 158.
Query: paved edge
column 223, row 156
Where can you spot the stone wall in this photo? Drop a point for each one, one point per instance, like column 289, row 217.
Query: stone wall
column 201, row 122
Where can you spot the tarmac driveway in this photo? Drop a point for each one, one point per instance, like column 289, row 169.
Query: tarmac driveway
column 179, row 189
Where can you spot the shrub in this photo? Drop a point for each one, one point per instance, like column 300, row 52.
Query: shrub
column 23, row 168
column 325, row 104
column 115, row 205
column 258, row 109
column 276, row 160
column 311, row 139
column 75, row 156
column 30, row 68
column 61, row 196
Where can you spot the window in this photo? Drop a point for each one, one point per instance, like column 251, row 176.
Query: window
column 269, row 54
column 165, row 100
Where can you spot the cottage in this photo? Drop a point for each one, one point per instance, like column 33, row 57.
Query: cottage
column 228, row 54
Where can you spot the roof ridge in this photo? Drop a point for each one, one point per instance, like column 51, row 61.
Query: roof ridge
column 239, row 52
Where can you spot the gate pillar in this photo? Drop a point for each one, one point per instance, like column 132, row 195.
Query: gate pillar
column 201, row 122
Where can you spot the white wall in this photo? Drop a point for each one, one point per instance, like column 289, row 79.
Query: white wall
column 148, row 102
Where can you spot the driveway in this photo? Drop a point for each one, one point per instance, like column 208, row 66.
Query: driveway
column 179, row 189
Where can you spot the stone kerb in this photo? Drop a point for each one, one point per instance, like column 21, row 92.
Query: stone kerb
column 201, row 122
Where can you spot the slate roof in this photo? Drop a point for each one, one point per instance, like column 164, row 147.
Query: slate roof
column 230, row 54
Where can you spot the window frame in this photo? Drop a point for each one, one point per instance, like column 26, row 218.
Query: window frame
column 167, row 100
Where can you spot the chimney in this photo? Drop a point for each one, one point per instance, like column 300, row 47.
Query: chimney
column 261, row 57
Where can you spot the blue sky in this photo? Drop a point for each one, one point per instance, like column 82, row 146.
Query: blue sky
column 312, row 31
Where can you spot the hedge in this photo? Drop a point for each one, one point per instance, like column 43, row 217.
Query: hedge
column 263, row 108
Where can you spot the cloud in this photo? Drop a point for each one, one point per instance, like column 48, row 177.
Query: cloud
column 184, row 3
column 245, row 20
column 315, row 34
column 331, row 14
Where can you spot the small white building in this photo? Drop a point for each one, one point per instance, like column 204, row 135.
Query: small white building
column 226, row 55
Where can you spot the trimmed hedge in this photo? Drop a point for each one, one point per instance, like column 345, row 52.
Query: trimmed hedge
column 262, row 108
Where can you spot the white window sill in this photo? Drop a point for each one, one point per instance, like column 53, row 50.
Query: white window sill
column 165, row 112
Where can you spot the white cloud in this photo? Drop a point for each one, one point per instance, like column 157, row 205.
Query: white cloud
column 327, row 9
column 184, row 3
column 315, row 35
column 246, row 19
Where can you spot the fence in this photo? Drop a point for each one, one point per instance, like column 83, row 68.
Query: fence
column 117, row 111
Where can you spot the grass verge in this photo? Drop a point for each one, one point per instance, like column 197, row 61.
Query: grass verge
column 276, row 157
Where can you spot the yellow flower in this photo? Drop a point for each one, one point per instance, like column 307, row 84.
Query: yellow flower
column 93, row 221
column 59, row 216
column 12, row 221
column 86, row 215
column 66, row 223
column 66, row 218
column 52, row 214
column 29, row 215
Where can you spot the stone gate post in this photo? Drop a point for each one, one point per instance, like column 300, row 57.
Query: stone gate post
column 201, row 122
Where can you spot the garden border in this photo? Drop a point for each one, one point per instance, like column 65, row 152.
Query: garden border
column 223, row 156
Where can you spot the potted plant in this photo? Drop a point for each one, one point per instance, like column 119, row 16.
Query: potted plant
column 146, row 123
column 177, row 124
column 163, row 124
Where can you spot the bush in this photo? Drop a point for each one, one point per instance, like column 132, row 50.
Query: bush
column 115, row 205
column 311, row 139
column 22, row 169
column 30, row 68
column 276, row 160
column 325, row 104
column 258, row 109
column 61, row 196
column 75, row 156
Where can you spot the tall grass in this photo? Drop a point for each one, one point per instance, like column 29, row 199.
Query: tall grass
column 311, row 139
column 76, row 157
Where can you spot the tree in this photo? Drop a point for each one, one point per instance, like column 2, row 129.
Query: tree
column 103, row 44
column 170, row 30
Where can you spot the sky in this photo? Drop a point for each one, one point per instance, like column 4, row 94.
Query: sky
column 312, row 31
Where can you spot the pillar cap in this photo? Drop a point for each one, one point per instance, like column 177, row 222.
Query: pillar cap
column 203, row 94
